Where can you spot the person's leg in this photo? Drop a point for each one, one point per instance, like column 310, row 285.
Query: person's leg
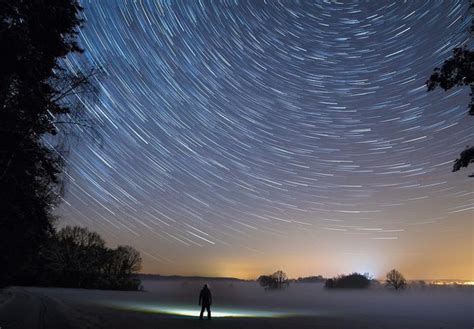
column 209, row 312
column 202, row 311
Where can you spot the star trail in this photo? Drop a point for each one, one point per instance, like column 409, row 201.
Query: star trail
column 239, row 137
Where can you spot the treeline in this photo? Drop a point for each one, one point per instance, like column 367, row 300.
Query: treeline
column 78, row 258
column 156, row 277
column 278, row 280
column 40, row 109
column 353, row 280
column 393, row 280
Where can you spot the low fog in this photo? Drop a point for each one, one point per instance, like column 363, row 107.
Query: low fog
column 430, row 306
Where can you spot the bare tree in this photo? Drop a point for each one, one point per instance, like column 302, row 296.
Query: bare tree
column 395, row 279
column 280, row 278
column 128, row 260
column 277, row 280
column 77, row 257
column 80, row 236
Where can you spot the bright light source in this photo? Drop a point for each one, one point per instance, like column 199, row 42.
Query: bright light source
column 217, row 312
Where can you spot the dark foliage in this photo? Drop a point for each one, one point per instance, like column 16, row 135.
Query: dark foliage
column 466, row 157
column 351, row 281
column 277, row 280
column 457, row 71
column 78, row 258
column 35, row 99
column 471, row 9
column 266, row 281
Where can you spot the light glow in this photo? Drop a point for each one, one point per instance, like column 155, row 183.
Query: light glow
column 234, row 146
column 189, row 311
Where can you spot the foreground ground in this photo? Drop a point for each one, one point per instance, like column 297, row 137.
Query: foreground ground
column 237, row 305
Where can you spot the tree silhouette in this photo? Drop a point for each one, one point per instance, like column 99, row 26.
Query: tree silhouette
column 466, row 157
column 280, row 278
column 121, row 265
column 277, row 280
column 77, row 257
column 395, row 279
column 36, row 97
column 73, row 258
column 457, row 71
column 350, row 281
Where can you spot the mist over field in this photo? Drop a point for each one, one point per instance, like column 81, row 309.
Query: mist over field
column 429, row 303
column 247, row 305
column 213, row 140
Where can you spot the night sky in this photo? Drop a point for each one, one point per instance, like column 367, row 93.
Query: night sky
column 239, row 138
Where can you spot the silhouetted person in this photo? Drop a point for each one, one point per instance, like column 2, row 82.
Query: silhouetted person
column 205, row 300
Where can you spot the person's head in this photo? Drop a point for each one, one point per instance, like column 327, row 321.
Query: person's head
column 205, row 287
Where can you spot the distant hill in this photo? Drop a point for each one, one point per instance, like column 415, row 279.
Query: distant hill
column 309, row 279
column 145, row 277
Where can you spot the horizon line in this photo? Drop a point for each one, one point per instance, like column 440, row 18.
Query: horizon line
column 302, row 277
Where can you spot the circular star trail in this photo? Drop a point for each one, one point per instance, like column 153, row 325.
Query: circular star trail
column 275, row 134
